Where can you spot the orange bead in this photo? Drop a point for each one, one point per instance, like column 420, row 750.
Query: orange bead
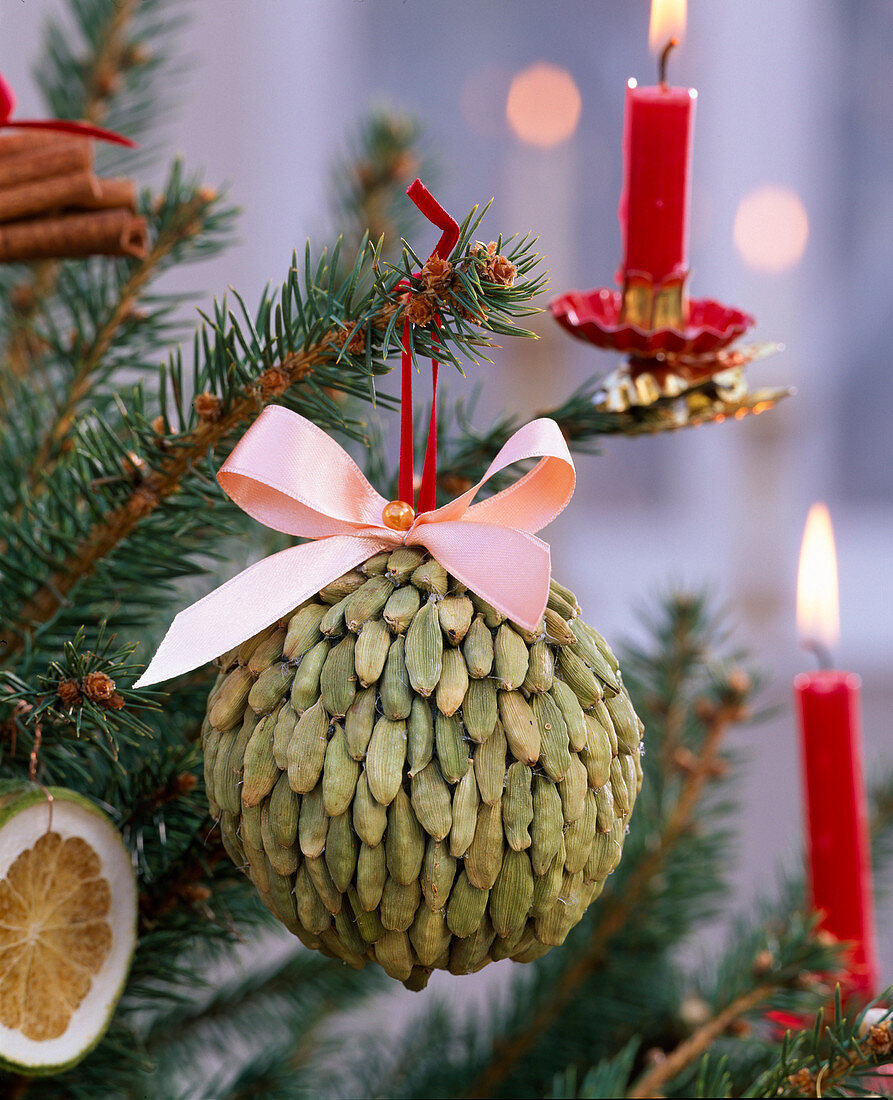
column 398, row 515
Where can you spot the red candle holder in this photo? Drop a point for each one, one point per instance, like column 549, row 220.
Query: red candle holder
column 601, row 317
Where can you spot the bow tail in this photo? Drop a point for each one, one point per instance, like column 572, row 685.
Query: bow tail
column 252, row 601
column 510, row 569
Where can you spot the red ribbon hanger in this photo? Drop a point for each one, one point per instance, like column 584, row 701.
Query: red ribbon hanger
column 435, row 213
column 59, row 125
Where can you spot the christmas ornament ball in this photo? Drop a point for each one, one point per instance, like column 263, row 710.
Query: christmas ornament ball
column 407, row 777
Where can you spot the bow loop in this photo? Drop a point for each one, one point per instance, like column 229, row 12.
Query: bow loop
column 289, row 475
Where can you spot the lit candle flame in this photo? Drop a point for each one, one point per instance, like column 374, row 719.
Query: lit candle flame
column 818, row 604
column 667, row 21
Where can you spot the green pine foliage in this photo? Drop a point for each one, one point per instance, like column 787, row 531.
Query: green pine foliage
column 111, row 518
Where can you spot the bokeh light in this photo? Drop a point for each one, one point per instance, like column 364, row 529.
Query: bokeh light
column 771, row 228
column 543, row 106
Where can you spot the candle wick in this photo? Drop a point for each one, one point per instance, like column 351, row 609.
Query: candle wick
column 662, row 63
column 821, row 652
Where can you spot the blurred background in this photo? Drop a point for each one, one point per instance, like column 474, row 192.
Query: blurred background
column 792, row 220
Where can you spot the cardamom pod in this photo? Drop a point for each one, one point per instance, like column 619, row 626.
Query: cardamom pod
column 424, row 650
column 453, row 682
column 229, row 705
column 404, row 840
column 625, row 720
column 401, row 608
column 451, row 748
column 385, row 758
column 342, row 586
column 305, row 685
column 540, row 668
column 329, row 894
column 260, row 771
column 579, row 677
column 478, row 649
column 303, row 631
column 286, row 718
column 511, row 894
column 399, row 903
column 484, row 856
column 307, row 748
column 520, row 726
column 313, row 823
column 572, row 712
column 547, row 886
column 618, row 788
column 284, row 860
column 547, row 827
column 393, row 953
column 358, row 723
column 492, row 617
column 597, row 755
column 393, row 688
column 510, row 658
column 431, row 577
column 604, row 804
column 339, row 774
column 479, row 712
column 438, row 872
column 466, row 907
column 470, row 954
column 284, row 807
column 419, row 735
column 455, row 614
column 517, row 809
column 332, row 623
column 580, row 835
column 342, row 849
column 367, row 602
column 376, row 565
column 555, row 755
column 403, row 562
column 370, row 818
column 465, row 813
column 268, row 652
column 557, row 630
column 572, row 790
column 372, row 650
column 269, row 687
column 586, row 649
column 338, row 681
column 431, row 801
column 489, row 766
column 429, row 934
column 368, row 921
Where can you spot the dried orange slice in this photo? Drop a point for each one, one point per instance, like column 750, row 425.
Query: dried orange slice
column 67, row 927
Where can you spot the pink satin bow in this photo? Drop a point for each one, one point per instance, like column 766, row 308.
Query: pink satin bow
column 288, row 474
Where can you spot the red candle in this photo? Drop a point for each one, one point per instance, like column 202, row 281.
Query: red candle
column 653, row 210
column 839, row 868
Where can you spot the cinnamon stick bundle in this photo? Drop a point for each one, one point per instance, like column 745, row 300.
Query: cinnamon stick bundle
column 116, row 232
column 14, row 142
column 59, row 158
